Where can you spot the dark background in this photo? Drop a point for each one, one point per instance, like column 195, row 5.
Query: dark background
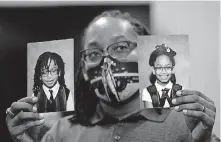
column 19, row 26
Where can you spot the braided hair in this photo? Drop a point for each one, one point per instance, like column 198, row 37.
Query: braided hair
column 162, row 50
column 42, row 62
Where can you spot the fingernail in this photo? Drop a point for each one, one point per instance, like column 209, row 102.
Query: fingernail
column 174, row 101
column 184, row 111
column 34, row 99
column 178, row 93
column 176, row 107
column 42, row 121
column 34, row 109
column 41, row 115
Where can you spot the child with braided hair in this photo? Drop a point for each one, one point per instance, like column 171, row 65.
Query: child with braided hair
column 163, row 86
column 49, row 84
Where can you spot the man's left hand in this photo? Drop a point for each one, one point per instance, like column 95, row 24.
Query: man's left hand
column 199, row 107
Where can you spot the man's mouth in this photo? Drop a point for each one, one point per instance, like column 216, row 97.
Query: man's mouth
column 121, row 83
column 130, row 77
column 111, row 77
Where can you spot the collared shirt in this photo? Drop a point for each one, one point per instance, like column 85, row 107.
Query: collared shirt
column 146, row 95
column 142, row 126
column 55, row 89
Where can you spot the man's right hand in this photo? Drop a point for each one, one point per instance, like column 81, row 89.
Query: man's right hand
column 24, row 117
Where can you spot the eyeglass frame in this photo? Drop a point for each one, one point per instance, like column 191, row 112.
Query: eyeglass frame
column 102, row 50
column 47, row 73
column 164, row 68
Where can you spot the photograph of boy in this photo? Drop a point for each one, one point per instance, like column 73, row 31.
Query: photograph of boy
column 163, row 86
column 49, row 84
column 50, row 75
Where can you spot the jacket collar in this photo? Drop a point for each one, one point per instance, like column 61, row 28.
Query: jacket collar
column 151, row 114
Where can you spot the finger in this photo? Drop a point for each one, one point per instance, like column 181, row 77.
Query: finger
column 193, row 92
column 191, row 106
column 210, row 113
column 193, row 99
column 196, row 107
column 205, row 119
column 22, row 117
column 29, row 124
column 31, row 100
column 18, row 106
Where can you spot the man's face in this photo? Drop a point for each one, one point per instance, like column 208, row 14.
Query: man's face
column 49, row 76
column 111, row 59
column 163, row 69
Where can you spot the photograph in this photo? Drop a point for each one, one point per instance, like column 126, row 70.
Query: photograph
column 51, row 74
column 163, row 68
column 50, row 78
column 115, row 71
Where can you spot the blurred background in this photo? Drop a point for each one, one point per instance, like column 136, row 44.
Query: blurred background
column 200, row 21
column 32, row 23
column 24, row 22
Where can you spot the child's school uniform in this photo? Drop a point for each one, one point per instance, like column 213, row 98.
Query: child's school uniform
column 153, row 94
column 54, row 99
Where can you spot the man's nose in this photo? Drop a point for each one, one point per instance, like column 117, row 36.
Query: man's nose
column 105, row 53
column 107, row 60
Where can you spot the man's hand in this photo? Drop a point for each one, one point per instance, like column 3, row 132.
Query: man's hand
column 22, row 116
column 202, row 109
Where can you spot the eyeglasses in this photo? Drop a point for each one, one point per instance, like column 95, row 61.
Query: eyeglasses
column 160, row 69
column 53, row 72
column 117, row 50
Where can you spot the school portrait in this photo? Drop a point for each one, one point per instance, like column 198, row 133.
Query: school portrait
column 50, row 75
column 165, row 70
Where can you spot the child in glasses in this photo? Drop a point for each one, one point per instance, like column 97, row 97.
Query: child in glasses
column 49, row 84
column 163, row 86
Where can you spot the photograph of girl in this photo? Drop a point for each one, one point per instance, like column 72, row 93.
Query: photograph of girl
column 164, row 69
column 163, row 86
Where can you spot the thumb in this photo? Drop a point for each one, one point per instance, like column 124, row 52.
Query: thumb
column 200, row 133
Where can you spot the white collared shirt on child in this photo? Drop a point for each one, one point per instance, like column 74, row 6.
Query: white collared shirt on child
column 55, row 89
column 146, row 95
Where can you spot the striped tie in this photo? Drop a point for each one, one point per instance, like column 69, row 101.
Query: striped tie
column 51, row 97
column 164, row 96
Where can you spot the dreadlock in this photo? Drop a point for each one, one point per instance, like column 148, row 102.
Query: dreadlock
column 44, row 62
column 85, row 97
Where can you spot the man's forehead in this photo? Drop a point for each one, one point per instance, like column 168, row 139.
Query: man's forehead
column 110, row 24
column 110, row 29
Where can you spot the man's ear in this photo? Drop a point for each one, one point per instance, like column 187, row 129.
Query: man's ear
column 84, row 70
column 153, row 70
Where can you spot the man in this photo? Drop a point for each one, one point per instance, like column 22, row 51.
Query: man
column 107, row 104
